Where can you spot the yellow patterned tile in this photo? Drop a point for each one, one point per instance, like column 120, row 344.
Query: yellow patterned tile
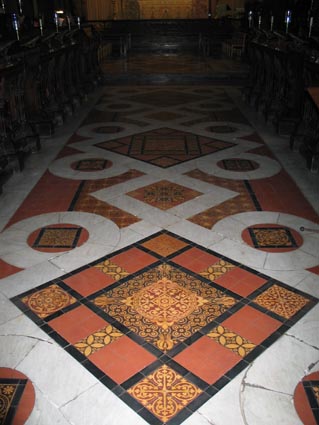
column 98, row 340
column 231, row 340
column 48, row 301
column 112, row 269
column 164, row 393
column 216, row 270
column 281, row 301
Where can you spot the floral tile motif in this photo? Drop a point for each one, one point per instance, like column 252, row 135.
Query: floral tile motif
column 58, row 237
column 165, row 147
column 281, row 301
column 98, row 340
column 156, row 303
column 231, row 340
column 216, row 270
column 49, row 300
column 267, row 237
column 164, row 393
column 164, row 194
column 112, row 269
column 166, row 327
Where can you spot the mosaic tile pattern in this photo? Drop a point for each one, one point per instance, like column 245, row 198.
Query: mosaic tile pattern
column 264, row 237
column 58, row 237
column 165, row 147
column 92, row 164
column 281, row 301
column 182, row 319
column 49, row 300
column 164, row 393
column 164, row 194
column 236, row 164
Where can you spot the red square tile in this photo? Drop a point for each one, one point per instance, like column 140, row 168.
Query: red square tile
column 77, row 324
column 122, row 359
column 207, row 359
column 89, row 281
column 252, row 324
column 240, row 281
column 195, row 259
column 133, row 260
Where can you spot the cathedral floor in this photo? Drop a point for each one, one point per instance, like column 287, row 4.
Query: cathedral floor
column 159, row 264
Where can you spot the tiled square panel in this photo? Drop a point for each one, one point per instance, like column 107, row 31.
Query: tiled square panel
column 170, row 322
column 165, row 147
column 164, row 194
column 268, row 237
column 58, row 237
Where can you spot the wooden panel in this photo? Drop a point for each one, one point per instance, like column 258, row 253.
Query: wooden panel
column 99, row 9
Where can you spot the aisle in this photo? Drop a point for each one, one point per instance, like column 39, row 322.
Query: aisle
column 161, row 261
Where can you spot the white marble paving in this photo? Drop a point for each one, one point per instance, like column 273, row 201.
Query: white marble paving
column 101, row 400
column 52, row 379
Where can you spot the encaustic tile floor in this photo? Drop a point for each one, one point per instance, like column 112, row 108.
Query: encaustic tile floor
column 159, row 264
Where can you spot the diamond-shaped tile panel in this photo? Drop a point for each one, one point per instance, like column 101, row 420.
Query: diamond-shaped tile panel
column 281, row 301
column 165, row 98
column 156, row 304
column 164, row 116
column 164, row 194
column 164, row 393
column 165, row 146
